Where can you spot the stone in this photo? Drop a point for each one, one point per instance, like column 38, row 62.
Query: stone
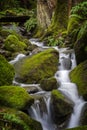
column 33, row 69
column 17, row 120
column 61, row 108
column 15, row 97
column 49, row 84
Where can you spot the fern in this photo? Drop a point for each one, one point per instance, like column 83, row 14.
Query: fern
column 80, row 9
column 32, row 22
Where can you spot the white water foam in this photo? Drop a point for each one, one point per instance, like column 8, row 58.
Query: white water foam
column 17, row 58
column 67, row 88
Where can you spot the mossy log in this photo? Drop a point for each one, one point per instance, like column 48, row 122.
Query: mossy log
column 19, row 19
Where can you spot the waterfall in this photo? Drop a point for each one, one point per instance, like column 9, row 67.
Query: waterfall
column 43, row 115
column 66, row 63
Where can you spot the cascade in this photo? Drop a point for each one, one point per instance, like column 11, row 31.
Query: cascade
column 43, row 115
column 66, row 63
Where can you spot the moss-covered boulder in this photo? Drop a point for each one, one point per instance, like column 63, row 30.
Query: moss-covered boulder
column 78, row 128
column 6, row 72
column 79, row 76
column 61, row 109
column 37, row 67
column 11, row 119
column 49, row 84
column 13, row 44
column 15, row 97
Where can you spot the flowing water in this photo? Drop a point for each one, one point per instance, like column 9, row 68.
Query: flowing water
column 66, row 63
column 41, row 110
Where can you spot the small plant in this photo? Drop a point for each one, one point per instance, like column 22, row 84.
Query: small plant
column 80, row 9
column 52, row 41
column 32, row 22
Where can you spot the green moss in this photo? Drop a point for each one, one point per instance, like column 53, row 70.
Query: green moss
column 79, row 76
column 15, row 97
column 49, row 84
column 73, row 23
column 78, row 128
column 12, row 43
column 11, row 119
column 80, row 9
column 60, row 18
column 77, row 27
column 40, row 66
column 57, row 94
column 83, row 31
column 4, row 32
column 61, row 108
column 85, row 49
column 6, row 72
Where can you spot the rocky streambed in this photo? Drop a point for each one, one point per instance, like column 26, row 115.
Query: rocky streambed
column 40, row 92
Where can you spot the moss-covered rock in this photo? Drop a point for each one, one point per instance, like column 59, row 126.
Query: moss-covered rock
column 79, row 76
column 49, row 84
column 6, row 72
column 37, row 67
column 61, row 108
column 13, row 44
column 11, row 119
column 78, row 128
column 15, row 97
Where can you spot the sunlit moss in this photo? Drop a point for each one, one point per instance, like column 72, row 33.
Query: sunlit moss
column 12, row 43
column 15, row 97
column 37, row 67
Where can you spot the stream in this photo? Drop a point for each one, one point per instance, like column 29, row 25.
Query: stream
column 66, row 63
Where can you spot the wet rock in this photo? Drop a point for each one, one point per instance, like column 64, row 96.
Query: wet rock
column 49, row 84
column 83, row 120
column 61, row 109
column 31, row 89
column 67, row 63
